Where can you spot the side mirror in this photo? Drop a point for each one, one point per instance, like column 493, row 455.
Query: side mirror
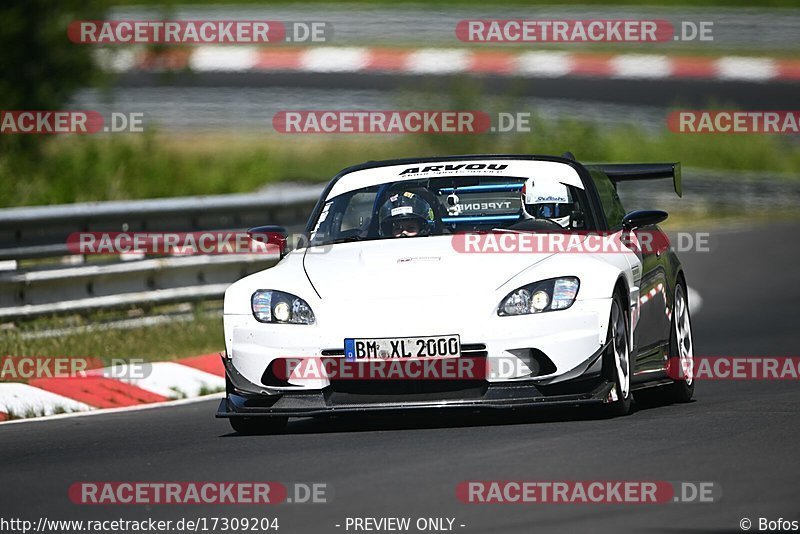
column 637, row 219
column 271, row 235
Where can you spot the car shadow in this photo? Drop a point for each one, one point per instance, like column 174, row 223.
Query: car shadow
column 400, row 421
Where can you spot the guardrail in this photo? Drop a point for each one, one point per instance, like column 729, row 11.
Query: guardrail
column 70, row 285
column 42, row 231
column 710, row 190
column 31, row 235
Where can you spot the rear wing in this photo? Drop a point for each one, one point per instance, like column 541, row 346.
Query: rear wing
column 623, row 172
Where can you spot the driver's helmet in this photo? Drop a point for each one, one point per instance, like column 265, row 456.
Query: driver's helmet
column 546, row 199
column 405, row 214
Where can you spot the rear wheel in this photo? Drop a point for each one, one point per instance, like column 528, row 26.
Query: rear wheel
column 681, row 350
column 258, row 425
column 617, row 361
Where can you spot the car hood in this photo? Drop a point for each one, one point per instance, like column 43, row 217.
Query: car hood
column 409, row 267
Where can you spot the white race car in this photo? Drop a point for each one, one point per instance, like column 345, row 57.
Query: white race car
column 479, row 282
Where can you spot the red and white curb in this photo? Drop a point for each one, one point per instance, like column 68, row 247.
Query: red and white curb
column 439, row 61
column 99, row 390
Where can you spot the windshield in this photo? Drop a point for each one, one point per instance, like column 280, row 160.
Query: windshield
column 441, row 206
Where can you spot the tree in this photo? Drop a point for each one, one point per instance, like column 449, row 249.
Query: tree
column 39, row 66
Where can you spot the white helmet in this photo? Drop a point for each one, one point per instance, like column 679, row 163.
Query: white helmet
column 546, row 199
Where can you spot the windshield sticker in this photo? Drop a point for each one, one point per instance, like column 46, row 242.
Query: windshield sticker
column 440, row 169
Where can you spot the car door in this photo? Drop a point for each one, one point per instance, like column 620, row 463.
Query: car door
column 652, row 333
column 648, row 293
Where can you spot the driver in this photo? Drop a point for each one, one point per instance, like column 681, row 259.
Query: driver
column 546, row 199
column 405, row 214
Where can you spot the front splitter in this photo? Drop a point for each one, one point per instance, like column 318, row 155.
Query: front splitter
column 318, row 403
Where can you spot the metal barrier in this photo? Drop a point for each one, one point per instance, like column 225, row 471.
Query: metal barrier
column 33, row 234
column 73, row 286
column 42, row 231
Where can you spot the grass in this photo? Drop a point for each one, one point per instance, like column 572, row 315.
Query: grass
column 35, row 412
column 137, row 166
column 686, row 221
column 167, row 341
column 660, row 3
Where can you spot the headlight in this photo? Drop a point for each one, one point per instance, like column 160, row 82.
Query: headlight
column 547, row 295
column 278, row 307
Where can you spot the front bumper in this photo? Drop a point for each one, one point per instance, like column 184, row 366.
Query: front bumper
column 589, row 388
column 567, row 338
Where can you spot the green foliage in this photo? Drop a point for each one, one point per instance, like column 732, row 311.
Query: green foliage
column 39, row 66
column 505, row 3
column 86, row 168
column 165, row 341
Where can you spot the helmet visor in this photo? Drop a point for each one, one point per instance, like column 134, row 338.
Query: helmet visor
column 549, row 210
column 405, row 226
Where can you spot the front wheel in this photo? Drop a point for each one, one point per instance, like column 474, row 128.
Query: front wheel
column 617, row 361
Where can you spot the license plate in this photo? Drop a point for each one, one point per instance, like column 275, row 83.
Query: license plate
column 402, row 347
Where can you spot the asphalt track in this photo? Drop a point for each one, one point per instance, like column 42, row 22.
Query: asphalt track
column 741, row 435
column 678, row 93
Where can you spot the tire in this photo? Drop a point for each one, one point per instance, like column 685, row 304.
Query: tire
column 617, row 360
column 254, row 425
column 258, row 425
column 681, row 350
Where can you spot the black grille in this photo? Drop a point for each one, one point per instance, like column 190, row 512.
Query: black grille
column 545, row 365
column 474, row 350
column 380, row 391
